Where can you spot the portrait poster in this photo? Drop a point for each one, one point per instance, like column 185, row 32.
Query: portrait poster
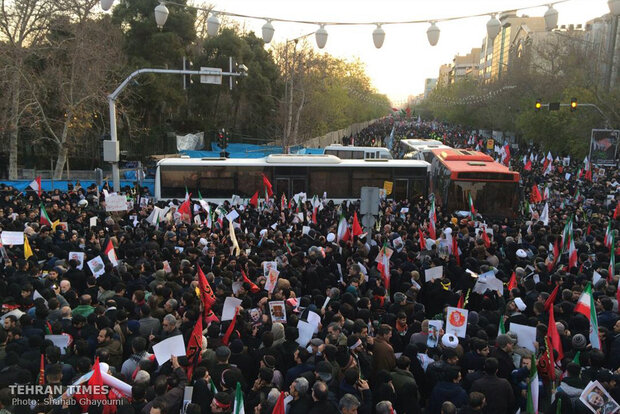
column 434, row 327
column 277, row 311
column 597, row 399
column 456, row 321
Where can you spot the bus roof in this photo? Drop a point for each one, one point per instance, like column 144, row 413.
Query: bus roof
column 452, row 154
column 423, row 143
column 291, row 160
column 355, row 148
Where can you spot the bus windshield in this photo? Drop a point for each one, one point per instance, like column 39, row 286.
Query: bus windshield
column 494, row 199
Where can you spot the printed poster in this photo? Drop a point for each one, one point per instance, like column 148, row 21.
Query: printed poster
column 277, row 311
column 456, row 321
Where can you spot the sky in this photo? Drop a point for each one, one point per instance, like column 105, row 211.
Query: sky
column 406, row 59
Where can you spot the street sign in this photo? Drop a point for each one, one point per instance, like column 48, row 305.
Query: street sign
column 214, row 76
column 369, row 200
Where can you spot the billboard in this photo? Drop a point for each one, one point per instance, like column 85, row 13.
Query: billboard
column 603, row 146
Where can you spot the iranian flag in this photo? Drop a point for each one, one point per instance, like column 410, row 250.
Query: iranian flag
column 532, row 389
column 36, row 185
column 572, row 255
column 617, row 211
column 501, row 330
column 238, row 406
column 472, row 209
column 384, row 266
column 585, row 306
column 608, row 235
column 109, row 251
column 185, row 209
column 343, row 229
column 203, row 203
column 45, row 219
column 612, row 259
column 432, row 219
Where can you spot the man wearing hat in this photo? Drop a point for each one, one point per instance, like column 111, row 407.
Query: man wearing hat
column 221, row 403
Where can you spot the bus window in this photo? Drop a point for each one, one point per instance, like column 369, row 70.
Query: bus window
column 357, row 155
column 217, row 182
column 399, row 192
column 365, row 177
column 330, row 180
column 331, row 152
column 248, row 180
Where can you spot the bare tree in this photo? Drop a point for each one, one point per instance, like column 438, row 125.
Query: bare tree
column 23, row 25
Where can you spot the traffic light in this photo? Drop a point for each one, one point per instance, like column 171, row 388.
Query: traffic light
column 538, row 105
column 220, row 139
column 573, row 104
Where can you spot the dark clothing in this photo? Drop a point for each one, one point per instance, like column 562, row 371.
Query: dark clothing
column 506, row 365
column 446, row 391
column 498, row 392
column 323, row 407
column 300, row 406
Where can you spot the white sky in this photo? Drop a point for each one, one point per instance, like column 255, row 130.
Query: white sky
column 399, row 68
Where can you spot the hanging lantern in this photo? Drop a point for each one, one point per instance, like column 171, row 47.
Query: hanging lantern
column 321, row 37
column 268, row 31
column 213, row 25
column 161, row 15
column 551, row 18
column 106, row 4
column 433, row 34
column 378, row 36
column 493, row 27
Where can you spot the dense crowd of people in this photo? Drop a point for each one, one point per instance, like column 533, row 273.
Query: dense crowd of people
column 374, row 348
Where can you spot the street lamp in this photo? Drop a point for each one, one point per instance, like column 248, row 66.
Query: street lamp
column 106, row 4
column 161, row 14
column 551, row 18
column 433, row 34
column 213, row 25
column 493, row 27
column 378, row 36
column 268, row 31
column 321, row 37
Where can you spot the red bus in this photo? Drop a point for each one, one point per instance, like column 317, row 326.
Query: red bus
column 457, row 173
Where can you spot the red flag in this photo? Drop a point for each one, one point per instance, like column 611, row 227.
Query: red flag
column 535, row 196
column 279, row 407
column 455, row 250
column 206, row 296
column 589, row 229
column 461, row 302
column 194, row 349
column 422, row 239
column 253, row 287
column 545, row 164
column 231, row 328
column 546, row 367
column 267, row 186
column 314, row 210
column 485, row 237
column 589, row 172
column 528, row 166
column 185, row 210
column 553, row 334
column 42, row 370
column 96, row 380
column 36, row 185
column 617, row 211
column 254, row 199
column 512, row 283
column 357, row 229
column 551, row 299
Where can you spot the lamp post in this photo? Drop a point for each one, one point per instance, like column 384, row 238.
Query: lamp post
column 111, row 147
column 614, row 9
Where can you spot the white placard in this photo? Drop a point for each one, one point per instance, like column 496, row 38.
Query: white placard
column 596, row 276
column 12, row 238
column 230, row 304
column 167, row 267
column 434, row 327
column 305, row 230
column 526, row 335
column 92, row 222
column 327, row 299
column 79, row 257
column 96, row 265
column 306, row 331
column 314, row 320
column 488, row 281
column 433, row 273
column 277, row 311
column 456, row 321
column 15, row 312
column 272, row 280
column 232, row 215
column 174, row 346
column 61, row 341
column 236, row 286
column 115, row 202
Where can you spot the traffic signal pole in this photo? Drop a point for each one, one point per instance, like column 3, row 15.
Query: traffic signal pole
column 587, row 105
